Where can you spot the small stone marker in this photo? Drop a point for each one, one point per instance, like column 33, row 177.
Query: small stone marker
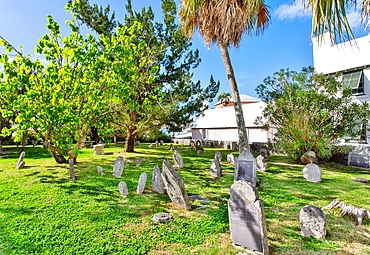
column 137, row 162
column 100, row 170
column 264, row 154
column 312, row 173
column 199, row 199
column 175, row 186
column 157, row 180
column 161, row 142
column 261, row 165
column 71, row 163
column 313, row 222
column 247, row 218
column 200, row 151
column 123, row 190
column 156, row 144
column 21, row 163
column 360, row 179
column 118, row 167
column 178, row 159
column 246, row 168
column 218, row 154
column 231, row 158
column 137, row 143
column 216, row 169
column 98, row 149
column 151, row 145
column 162, row 218
column 141, row 184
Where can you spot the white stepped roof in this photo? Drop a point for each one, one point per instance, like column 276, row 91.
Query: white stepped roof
column 225, row 117
column 243, row 98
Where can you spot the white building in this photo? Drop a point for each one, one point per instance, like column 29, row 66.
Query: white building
column 352, row 59
column 220, row 124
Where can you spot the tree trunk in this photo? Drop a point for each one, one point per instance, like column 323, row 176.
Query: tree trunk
column 242, row 132
column 72, row 175
column 130, row 142
column 59, row 158
column 94, row 135
column 131, row 134
column 24, row 140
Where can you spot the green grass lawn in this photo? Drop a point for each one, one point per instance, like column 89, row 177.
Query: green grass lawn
column 43, row 212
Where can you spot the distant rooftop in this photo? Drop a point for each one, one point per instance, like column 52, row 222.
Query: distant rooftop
column 243, row 99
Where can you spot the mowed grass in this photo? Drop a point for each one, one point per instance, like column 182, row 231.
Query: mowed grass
column 43, row 212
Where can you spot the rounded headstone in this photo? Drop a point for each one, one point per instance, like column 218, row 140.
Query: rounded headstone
column 312, row 222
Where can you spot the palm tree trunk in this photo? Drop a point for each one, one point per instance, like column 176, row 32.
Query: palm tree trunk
column 242, row 132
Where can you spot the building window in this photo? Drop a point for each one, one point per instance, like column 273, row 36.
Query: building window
column 204, row 133
column 355, row 81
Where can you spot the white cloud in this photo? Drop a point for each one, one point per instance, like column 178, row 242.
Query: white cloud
column 292, row 11
column 354, row 18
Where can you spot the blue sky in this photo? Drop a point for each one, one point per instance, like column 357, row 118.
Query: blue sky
column 285, row 44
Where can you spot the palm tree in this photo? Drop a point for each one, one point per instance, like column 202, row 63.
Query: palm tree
column 224, row 98
column 223, row 22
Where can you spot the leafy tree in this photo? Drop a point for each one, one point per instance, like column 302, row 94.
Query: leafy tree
column 171, row 98
column 63, row 98
column 308, row 112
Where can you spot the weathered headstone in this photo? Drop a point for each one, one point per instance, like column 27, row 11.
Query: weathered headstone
column 156, row 144
column 20, row 163
column 175, row 186
column 161, row 142
column 247, row 218
column 361, row 179
column 118, row 167
column 312, row 173
column 157, row 180
column 151, row 145
column 218, row 154
column 261, row 165
column 162, row 218
column 231, row 158
column 100, row 170
column 359, row 157
column 216, row 169
column 246, row 168
column 312, row 222
column 123, row 190
column 178, row 159
column 98, row 149
column 137, row 143
column 200, row 151
column 137, row 162
column 141, row 184
column 264, row 153
column 71, row 163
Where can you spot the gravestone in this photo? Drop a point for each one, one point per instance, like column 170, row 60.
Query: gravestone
column 118, row 167
column 137, row 143
column 162, row 218
column 200, row 151
column 20, row 163
column 151, row 145
column 161, row 142
column 175, row 186
column 156, row 144
column 264, row 153
column 178, row 159
column 123, row 190
column 312, row 222
column 141, row 184
column 218, row 154
column 71, row 163
column 246, row 168
column 359, row 157
column 98, row 149
column 216, row 169
column 157, row 180
column 312, row 173
column 137, row 162
column 231, row 158
column 1, row 147
column 261, row 165
column 100, row 170
column 247, row 218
